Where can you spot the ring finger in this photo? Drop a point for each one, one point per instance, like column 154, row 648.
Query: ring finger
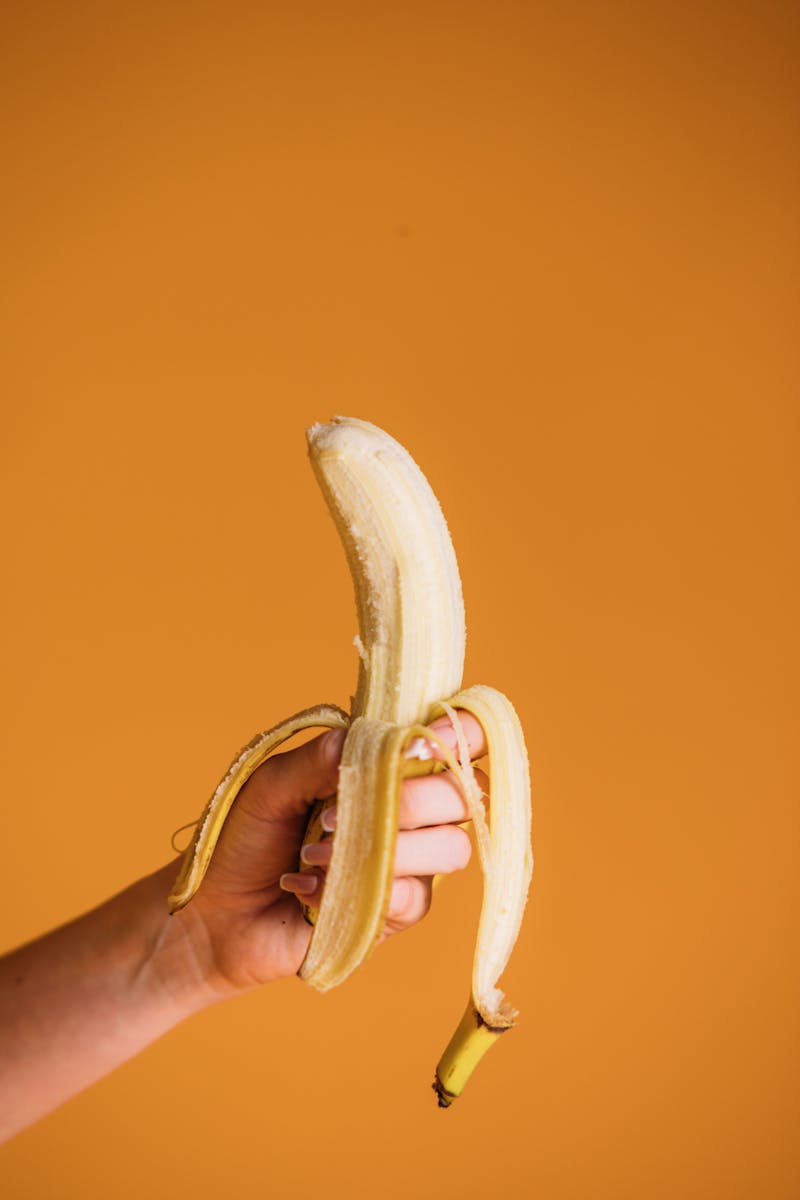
column 438, row 850
column 427, row 800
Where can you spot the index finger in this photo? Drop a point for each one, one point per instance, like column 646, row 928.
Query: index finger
column 443, row 728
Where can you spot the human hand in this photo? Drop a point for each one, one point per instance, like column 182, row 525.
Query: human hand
column 77, row 1002
column 245, row 923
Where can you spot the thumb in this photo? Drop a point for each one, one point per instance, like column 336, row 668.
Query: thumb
column 287, row 784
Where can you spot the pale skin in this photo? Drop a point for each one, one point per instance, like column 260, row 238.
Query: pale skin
column 86, row 997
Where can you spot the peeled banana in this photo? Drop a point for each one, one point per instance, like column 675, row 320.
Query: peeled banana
column 411, row 659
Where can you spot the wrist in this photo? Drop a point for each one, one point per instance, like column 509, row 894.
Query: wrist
column 178, row 966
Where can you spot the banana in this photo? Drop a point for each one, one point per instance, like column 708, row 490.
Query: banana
column 411, row 643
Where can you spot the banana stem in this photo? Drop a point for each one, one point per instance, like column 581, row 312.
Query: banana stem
column 472, row 1038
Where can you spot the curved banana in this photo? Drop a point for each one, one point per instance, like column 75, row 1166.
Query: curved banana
column 411, row 656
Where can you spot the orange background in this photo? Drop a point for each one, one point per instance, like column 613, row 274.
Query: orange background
column 553, row 249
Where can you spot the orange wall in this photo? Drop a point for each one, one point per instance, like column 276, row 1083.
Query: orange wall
column 553, row 248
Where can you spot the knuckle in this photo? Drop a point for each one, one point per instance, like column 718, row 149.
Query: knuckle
column 408, row 809
column 417, row 802
column 411, row 899
column 460, row 847
column 401, row 898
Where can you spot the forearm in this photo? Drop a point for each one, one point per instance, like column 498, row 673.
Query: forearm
column 91, row 994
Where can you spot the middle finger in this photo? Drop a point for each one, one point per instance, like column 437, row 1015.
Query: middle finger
column 435, row 800
column 426, row 800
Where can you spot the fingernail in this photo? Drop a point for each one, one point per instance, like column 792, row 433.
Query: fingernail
column 328, row 820
column 301, row 883
column 419, row 748
column 332, row 745
column 316, row 854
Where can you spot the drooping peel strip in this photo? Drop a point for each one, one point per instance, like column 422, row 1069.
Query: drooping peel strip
column 504, row 849
column 504, row 846
column 198, row 853
column 411, row 650
column 358, row 884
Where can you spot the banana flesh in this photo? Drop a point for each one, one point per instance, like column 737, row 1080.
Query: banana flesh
column 411, row 644
column 412, row 630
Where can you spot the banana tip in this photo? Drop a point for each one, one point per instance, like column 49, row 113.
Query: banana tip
column 443, row 1097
